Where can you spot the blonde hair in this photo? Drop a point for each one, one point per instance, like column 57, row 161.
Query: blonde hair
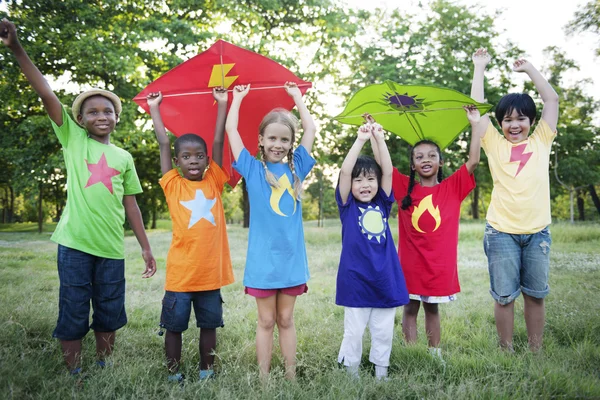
column 286, row 118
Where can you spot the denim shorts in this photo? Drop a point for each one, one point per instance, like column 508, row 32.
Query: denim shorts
column 84, row 277
column 517, row 263
column 177, row 307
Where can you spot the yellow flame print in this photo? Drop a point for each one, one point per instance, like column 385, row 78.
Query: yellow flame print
column 426, row 205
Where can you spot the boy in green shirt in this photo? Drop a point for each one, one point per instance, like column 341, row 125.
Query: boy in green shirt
column 102, row 183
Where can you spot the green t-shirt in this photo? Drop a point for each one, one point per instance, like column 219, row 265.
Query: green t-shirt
column 98, row 176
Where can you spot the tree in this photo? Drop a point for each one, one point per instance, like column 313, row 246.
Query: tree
column 587, row 18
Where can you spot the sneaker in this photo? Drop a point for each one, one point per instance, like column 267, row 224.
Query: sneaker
column 381, row 373
column 206, row 374
column 352, row 370
column 177, row 378
column 436, row 353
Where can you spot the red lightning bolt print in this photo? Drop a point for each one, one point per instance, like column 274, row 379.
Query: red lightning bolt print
column 518, row 154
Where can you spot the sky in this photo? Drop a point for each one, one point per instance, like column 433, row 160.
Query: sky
column 524, row 22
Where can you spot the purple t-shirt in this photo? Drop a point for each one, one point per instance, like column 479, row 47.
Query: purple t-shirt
column 369, row 274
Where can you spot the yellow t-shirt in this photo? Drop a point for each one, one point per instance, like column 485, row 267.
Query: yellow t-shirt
column 198, row 259
column 521, row 196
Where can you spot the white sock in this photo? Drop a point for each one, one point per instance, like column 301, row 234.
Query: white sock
column 380, row 372
column 352, row 370
column 435, row 351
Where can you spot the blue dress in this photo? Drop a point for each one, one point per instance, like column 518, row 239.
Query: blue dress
column 276, row 255
column 369, row 274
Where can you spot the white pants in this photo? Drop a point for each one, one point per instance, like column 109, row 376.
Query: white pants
column 381, row 325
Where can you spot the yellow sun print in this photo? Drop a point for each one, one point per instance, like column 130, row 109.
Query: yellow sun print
column 372, row 223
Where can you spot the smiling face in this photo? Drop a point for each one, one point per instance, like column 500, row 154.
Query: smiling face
column 426, row 160
column 192, row 159
column 365, row 186
column 276, row 141
column 98, row 117
column 516, row 126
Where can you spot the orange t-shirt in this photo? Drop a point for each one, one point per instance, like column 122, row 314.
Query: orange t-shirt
column 198, row 259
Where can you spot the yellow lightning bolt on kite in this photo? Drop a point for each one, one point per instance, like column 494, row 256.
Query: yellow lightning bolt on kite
column 218, row 76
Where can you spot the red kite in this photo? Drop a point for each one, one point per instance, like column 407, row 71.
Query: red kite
column 188, row 105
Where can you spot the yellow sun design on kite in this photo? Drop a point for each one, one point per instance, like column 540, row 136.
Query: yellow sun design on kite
column 372, row 223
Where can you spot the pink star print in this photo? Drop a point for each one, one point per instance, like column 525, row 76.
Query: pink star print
column 101, row 172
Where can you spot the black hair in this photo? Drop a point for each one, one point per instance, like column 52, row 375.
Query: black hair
column 365, row 165
column 521, row 102
column 188, row 138
column 407, row 200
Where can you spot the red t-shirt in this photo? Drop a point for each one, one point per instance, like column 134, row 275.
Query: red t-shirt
column 428, row 232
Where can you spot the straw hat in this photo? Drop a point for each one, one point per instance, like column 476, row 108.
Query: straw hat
column 95, row 92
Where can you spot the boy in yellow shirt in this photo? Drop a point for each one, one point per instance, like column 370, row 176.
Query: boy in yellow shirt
column 517, row 239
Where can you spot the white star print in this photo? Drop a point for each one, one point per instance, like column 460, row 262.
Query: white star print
column 200, row 208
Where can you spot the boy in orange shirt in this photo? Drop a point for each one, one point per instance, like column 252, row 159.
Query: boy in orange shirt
column 198, row 263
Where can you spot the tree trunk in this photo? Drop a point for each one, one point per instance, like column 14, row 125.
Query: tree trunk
column 154, row 213
column 595, row 197
column 245, row 205
column 40, row 214
column 580, row 205
column 571, row 201
column 11, row 208
column 474, row 203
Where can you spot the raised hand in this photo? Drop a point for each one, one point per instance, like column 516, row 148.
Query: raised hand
column 377, row 131
column 522, row 65
column 220, row 94
column 292, row 89
column 473, row 114
column 240, row 91
column 481, row 58
column 154, row 99
column 364, row 132
column 8, row 33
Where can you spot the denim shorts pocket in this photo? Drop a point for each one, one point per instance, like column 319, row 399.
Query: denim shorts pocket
column 168, row 309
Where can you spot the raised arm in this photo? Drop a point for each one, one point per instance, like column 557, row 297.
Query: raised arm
column 478, row 128
column 154, row 100
column 385, row 160
column 308, row 124
column 220, row 96
column 481, row 59
column 231, row 126
column 547, row 93
column 345, row 183
column 8, row 34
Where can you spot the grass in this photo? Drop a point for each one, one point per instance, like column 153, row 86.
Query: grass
column 569, row 366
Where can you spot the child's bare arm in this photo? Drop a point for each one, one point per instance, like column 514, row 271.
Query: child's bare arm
column 547, row 93
column 481, row 59
column 8, row 34
column 231, row 126
column 154, row 100
column 385, row 160
column 478, row 128
column 345, row 183
column 134, row 216
column 308, row 124
column 220, row 96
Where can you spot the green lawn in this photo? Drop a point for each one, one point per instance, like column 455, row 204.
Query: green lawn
column 569, row 366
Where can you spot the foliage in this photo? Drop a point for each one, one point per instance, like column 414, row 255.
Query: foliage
column 587, row 18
